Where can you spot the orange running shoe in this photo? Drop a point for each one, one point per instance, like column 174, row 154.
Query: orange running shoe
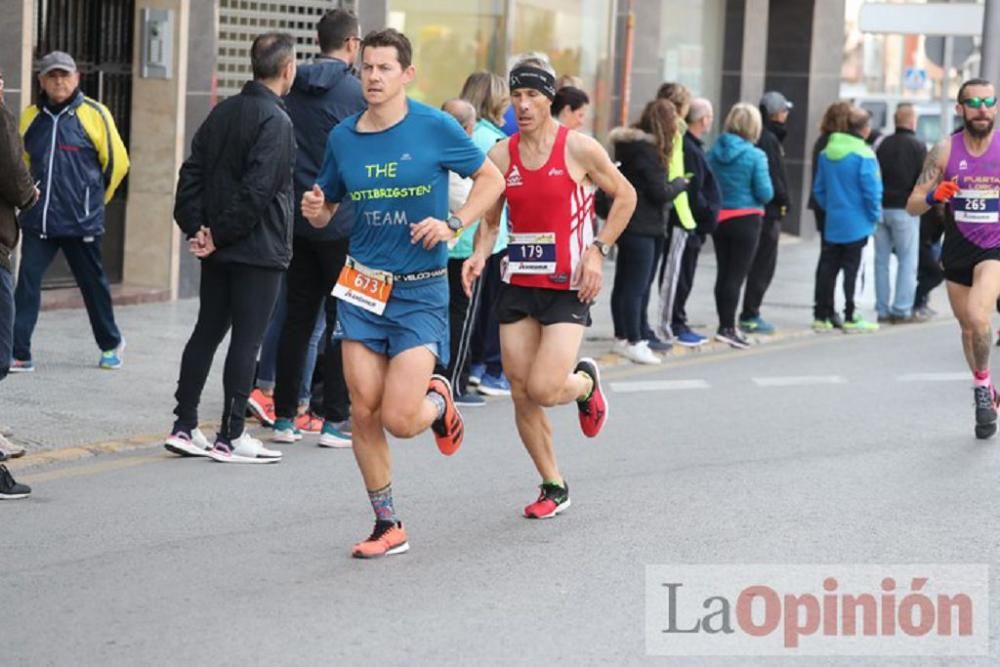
column 448, row 429
column 387, row 539
column 262, row 407
column 309, row 423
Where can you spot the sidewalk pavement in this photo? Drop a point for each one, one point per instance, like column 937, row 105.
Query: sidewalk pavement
column 69, row 408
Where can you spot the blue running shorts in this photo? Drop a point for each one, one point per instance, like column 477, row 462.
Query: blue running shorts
column 416, row 315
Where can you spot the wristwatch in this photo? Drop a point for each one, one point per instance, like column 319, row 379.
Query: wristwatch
column 602, row 247
column 455, row 223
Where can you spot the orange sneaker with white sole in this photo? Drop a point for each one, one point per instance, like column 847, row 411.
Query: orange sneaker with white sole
column 449, row 429
column 387, row 539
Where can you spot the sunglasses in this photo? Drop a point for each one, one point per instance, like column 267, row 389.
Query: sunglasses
column 979, row 102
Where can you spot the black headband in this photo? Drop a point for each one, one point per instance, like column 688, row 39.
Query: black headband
column 525, row 76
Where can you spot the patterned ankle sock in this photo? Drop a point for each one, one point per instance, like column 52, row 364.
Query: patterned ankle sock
column 381, row 501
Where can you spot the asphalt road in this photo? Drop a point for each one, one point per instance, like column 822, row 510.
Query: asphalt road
column 825, row 449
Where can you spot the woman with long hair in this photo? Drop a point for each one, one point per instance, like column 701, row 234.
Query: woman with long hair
column 644, row 152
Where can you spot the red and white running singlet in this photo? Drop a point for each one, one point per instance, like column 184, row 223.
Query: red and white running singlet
column 550, row 220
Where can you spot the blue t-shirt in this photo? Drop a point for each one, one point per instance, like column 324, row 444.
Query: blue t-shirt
column 396, row 178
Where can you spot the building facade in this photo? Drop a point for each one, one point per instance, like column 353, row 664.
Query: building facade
column 725, row 50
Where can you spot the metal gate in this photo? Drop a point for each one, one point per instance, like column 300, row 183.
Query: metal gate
column 98, row 34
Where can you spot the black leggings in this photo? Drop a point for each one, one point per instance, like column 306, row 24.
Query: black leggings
column 735, row 243
column 234, row 295
column 834, row 258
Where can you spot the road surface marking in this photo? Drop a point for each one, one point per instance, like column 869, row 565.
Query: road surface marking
column 933, row 377
column 799, row 380
column 658, row 385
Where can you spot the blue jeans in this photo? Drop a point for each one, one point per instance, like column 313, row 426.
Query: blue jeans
column 635, row 268
column 6, row 320
column 84, row 258
column 898, row 233
column 268, row 364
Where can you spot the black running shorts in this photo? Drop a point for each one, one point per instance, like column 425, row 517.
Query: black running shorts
column 959, row 257
column 547, row 306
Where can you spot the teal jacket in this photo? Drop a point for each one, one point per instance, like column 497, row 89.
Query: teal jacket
column 484, row 136
column 848, row 187
column 741, row 170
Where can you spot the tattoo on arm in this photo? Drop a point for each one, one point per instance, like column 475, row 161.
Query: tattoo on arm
column 932, row 170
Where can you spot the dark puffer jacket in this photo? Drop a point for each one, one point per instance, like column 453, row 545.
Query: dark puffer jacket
column 238, row 180
column 16, row 189
column 640, row 164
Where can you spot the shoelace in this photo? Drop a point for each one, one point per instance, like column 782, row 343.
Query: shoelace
column 380, row 530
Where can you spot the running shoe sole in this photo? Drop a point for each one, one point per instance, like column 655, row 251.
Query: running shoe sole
column 558, row 510
column 732, row 342
column 331, row 442
column 399, row 549
column 13, row 496
column 491, row 391
column 984, row 431
column 21, row 369
column 231, row 458
column 286, row 437
column 698, row 344
column 184, row 448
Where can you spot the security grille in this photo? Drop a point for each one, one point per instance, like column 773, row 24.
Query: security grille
column 98, row 34
column 240, row 21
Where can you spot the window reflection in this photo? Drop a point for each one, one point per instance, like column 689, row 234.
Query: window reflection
column 451, row 39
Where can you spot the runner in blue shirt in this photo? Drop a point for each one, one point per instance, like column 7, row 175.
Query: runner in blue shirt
column 392, row 162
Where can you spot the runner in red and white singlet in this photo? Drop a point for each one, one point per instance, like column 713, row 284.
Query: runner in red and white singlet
column 553, row 269
column 546, row 201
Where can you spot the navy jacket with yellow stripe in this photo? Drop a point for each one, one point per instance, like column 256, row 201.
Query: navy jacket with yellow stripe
column 75, row 153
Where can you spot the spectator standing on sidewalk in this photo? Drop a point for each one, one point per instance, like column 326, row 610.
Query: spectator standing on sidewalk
column 644, row 152
column 490, row 96
column 462, row 308
column 746, row 188
column 706, row 202
column 234, row 202
column 834, row 120
column 682, row 224
column 75, row 154
column 16, row 192
column 325, row 92
column 848, row 187
column 901, row 158
column 774, row 109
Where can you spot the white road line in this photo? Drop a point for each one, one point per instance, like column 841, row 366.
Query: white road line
column 799, row 380
column 658, row 385
column 933, row 377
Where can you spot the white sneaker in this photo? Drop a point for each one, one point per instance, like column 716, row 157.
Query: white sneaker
column 197, row 445
column 641, row 354
column 244, row 449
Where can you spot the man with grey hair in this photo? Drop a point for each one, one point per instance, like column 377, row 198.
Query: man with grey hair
column 462, row 308
column 705, row 201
